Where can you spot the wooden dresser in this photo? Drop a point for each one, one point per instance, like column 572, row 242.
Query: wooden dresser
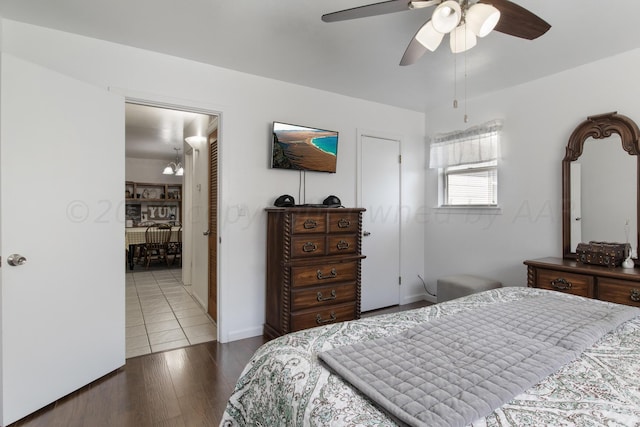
column 565, row 275
column 313, row 267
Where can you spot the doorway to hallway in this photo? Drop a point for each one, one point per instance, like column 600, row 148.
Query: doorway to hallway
column 167, row 307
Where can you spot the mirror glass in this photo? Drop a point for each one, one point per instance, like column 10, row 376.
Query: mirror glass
column 603, row 193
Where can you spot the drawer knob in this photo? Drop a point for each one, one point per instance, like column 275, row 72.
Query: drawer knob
column 309, row 247
column 635, row 295
column 329, row 298
column 310, row 224
column 342, row 245
column 332, row 274
column 344, row 223
column 561, row 284
column 320, row 321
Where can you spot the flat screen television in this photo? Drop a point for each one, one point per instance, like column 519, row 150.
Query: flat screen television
column 304, row 148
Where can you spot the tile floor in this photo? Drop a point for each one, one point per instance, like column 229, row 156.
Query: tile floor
column 162, row 314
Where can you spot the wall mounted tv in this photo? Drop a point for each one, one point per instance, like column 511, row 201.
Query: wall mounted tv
column 304, row 148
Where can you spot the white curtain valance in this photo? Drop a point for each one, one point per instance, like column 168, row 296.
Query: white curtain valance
column 477, row 144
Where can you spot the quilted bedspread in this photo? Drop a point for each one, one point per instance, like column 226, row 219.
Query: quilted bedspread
column 285, row 384
column 458, row 368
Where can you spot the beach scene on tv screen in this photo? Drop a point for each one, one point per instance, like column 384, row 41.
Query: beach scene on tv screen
column 303, row 148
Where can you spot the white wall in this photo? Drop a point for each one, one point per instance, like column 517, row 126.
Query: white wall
column 197, row 220
column 248, row 104
column 539, row 117
column 149, row 170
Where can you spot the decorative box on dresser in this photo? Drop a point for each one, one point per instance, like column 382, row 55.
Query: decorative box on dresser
column 619, row 285
column 313, row 267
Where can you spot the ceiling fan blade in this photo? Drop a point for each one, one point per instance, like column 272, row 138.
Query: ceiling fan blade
column 517, row 21
column 414, row 51
column 368, row 10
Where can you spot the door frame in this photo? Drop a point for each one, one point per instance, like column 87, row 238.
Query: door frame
column 360, row 133
column 154, row 100
column 214, row 200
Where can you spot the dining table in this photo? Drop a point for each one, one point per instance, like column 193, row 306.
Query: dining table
column 135, row 236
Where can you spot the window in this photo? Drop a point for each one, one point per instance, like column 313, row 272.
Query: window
column 475, row 185
column 468, row 165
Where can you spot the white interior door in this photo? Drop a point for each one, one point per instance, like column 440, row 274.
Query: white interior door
column 62, row 208
column 380, row 196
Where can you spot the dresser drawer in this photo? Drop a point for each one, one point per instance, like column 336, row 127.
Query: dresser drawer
column 308, row 246
column 332, row 314
column 346, row 222
column 321, row 274
column 309, row 222
column 619, row 291
column 346, row 244
column 576, row 284
column 322, row 296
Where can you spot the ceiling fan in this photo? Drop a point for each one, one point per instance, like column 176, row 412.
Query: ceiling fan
column 463, row 20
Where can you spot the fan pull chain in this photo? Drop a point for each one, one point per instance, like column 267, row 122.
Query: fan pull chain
column 455, row 82
column 466, row 118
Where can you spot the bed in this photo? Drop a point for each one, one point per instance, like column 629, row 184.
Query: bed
column 285, row 383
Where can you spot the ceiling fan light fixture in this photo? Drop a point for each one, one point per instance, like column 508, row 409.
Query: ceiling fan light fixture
column 461, row 40
column 447, row 16
column 429, row 37
column 482, row 18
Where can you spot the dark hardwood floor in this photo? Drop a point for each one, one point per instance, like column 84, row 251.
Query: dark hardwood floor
column 396, row 308
column 183, row 387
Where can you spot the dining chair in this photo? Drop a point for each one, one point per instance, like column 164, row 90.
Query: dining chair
column 139, row 249
column 174, row 247
column 156, row 240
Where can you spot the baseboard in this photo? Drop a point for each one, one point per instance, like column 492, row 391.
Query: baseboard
column 203, row 304
column 419, row 297
column 240, row 335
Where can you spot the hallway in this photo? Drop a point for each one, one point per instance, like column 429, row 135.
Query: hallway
column 161, row 313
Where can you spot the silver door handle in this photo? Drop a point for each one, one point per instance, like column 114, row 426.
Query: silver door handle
column 16, row 260
column 206, row 233
column 366, row 233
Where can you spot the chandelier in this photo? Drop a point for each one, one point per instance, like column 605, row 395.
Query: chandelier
column 174, row 168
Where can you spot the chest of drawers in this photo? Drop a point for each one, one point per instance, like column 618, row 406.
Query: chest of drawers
column 313, row 268
column 617, row 284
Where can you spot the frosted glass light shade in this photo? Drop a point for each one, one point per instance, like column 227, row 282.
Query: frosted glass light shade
column 180, row 170
column 195, row 139
column 429, row 37
column 462, row 39
column 168, row 170
column 482, row 18
column 447, row 16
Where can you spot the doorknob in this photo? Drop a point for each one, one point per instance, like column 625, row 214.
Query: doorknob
column 366, row 233
column 16, row 259
column 206, row 233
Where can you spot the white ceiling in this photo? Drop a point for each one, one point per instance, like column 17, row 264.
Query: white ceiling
column 155, row 133
column 286, row 40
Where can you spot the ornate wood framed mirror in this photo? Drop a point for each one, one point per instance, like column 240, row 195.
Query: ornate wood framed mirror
column 613, row 182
